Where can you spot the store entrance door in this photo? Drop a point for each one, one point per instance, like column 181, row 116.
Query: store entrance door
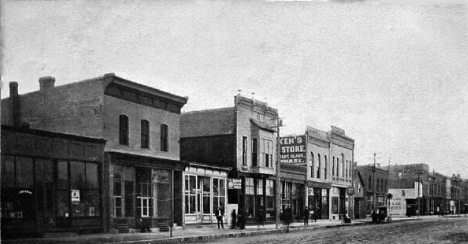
column 45, row 206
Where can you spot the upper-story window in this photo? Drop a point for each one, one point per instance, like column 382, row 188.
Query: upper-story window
column 325, row 167
column 145, row 138
column 343, row 165
column 370, row 182
column 311, row 164
column 337, row 167
column 254, row 151
column 267, row 152
column 318, row 166
column 164, row 138
column 244, row 150
column 123, row 130
column 333, row 166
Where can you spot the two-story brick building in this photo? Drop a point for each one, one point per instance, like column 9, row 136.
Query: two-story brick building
column 241, row 137
column 142, row 174
column 342, row 158
column 375, row 180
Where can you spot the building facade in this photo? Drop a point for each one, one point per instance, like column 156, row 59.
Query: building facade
column 342, row 158
column 50, row 181
column 318, row 172
column 376, row 183
column 242, row 137
column 404, row 176
column 143, row 174
column 205, row 189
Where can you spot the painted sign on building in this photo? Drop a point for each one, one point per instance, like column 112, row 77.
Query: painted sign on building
column 293, row 150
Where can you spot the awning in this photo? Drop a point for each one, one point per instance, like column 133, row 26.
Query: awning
column 145, row 161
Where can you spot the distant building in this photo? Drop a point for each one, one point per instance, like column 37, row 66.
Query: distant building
column 242, row 137
column 404, row 176
column 376, row 183
column 360, row 194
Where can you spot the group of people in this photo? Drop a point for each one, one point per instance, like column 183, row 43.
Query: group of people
column 237, row 221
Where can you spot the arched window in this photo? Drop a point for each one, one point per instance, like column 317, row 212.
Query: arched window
column 370, row 182
column 385, row 189
column 164, row 138
column 338, row 167
column 325, row 167
column 318, row 166
column 312, row 164
column 333, row 166
column 343, row 165
column 123, row 130
column 377, row 188
column 145, row 138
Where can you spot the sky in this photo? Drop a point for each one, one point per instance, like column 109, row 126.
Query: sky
column 393, row 74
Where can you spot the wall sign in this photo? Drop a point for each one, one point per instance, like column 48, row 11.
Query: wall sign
column 234, row 183
column 75, row 195
column 293, row 150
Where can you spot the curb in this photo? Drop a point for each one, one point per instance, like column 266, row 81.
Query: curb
column 252, row 233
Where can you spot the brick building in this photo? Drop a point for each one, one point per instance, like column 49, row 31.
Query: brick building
column 142, row 174
column 50, row 181
column 376, row 182
column 342, row 158
column 241, row 137
column 404, row 177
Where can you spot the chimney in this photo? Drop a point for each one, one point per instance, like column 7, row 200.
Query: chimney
column 46, row 82
column 15, row 104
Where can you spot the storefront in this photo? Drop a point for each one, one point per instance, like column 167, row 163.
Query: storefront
column 258, row 199
column 319, row 200
column 50, row 182
column 147, row 189
column 339, row 202
column 205, row 189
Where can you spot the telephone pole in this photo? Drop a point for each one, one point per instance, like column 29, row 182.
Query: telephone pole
column 373, row 182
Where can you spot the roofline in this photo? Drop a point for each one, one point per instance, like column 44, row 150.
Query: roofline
column 208, row 110
column 114, row 78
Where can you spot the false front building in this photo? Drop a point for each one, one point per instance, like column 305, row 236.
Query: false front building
column 240, row 137
column 142, row 172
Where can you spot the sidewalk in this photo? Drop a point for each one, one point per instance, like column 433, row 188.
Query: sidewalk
column 193, row 234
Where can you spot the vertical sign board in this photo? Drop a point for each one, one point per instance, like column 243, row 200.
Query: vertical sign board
column 293, row 150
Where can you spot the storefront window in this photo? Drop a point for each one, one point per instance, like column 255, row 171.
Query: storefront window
column 162, row 195
column 190, row 193
column 270, row 197
column 84, row 195
column 219, row 193
column 250, row 194
column 143, row 191
column 124, row 178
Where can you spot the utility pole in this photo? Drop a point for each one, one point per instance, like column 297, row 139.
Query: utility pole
column 278, row 175
column 374, row 190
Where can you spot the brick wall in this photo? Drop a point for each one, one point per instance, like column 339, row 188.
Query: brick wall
column 75, row 108
column 114, row 107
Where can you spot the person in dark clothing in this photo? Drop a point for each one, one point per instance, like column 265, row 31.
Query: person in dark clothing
column 241, row 219
column 306, row 216
column 233, row 219
column 347, row 219
column 260, row 217
column 144, row 227
column 287, row 215
column 219, row 216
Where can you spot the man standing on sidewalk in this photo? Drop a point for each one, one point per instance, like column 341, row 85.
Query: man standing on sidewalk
column 219, row 216
column 306, row 216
